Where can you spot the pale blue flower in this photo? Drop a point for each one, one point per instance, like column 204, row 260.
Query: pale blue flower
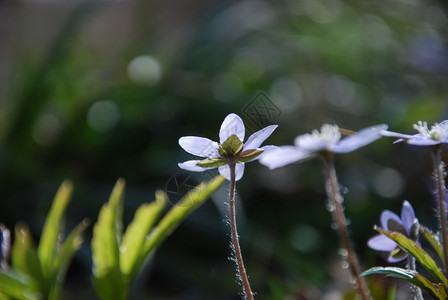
column 438, row 134
column 327, row 140
column 407, row 225
column 230, row 148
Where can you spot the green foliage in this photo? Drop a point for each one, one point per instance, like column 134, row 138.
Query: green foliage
column 118, row 257
column 107, row 277
column 437, row 289
column 415, row 250
column 39, row 273
column 433, row 241
column 18, row 286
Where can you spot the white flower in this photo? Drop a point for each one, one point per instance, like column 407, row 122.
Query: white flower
column 327, row 140
column 438, row 134
column 230, row 148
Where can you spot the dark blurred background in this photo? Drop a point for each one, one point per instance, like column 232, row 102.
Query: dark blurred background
column 96, row 90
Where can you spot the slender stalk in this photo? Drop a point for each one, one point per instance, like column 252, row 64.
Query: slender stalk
column 416, row 291
column 337, row 213
column 235, row 240
column 439, row 178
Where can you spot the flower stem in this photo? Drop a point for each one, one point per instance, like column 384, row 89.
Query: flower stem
column 416, row 291
column 439, row 178
column 235, row 240
column 337, row 212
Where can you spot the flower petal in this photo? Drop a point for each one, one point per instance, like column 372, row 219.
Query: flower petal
column 199, row 146
column 282, row 156
column 385, row 216
column 232, row 124
column 310, row 143
column 381, row 243
column 388, row 133
column 191, row 165
column 225, row 171
column 269, row 149
column 239, row 171
column 419, row 140
column 407, row 216
column 359, row 139
column 257, row 138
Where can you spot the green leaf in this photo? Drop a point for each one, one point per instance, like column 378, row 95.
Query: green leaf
column 435, row 290
column 247, row 155
column 107, row 277
column 415, row 250
column 391, row 293
column 231, row 147
column 18, row 286
column 64, row 256
column 24, row 256
column 211, row 163
column 52, row 228
column 192, row 200
column 134, row 238
column 433, row 241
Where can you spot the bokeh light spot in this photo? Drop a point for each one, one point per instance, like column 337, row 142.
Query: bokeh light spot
column 46, row 129
column 145, row 70
column 286, row 93
column 305, row 238
column 103, row 116
column 388, row 183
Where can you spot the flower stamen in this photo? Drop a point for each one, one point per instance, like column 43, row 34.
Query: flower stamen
column 328, row 133
column 436, row 132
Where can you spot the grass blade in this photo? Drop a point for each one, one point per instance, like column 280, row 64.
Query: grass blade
column 18, row 286
column 62, row 259
column 134, row 238
column 24, row 256
column 107, row 277
column 52, row 228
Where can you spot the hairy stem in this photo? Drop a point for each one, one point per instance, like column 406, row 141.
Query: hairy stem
column 416, row 291
column 337, row 213
column 439, row 178
column 235, row 239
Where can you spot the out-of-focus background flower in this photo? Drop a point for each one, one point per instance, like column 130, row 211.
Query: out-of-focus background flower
column 96, row 90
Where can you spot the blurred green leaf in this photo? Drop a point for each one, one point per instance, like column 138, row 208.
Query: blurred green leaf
column 433, row 241
column 192, row 200
column 415, row 250
column 48, row 264
column 62, row 259
column 435, row 290
column 24, row 256
column 52, row 228
column 134, row 238
column 18, row 286
column 392, row 292
column 107, row 277
column 114, row 266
